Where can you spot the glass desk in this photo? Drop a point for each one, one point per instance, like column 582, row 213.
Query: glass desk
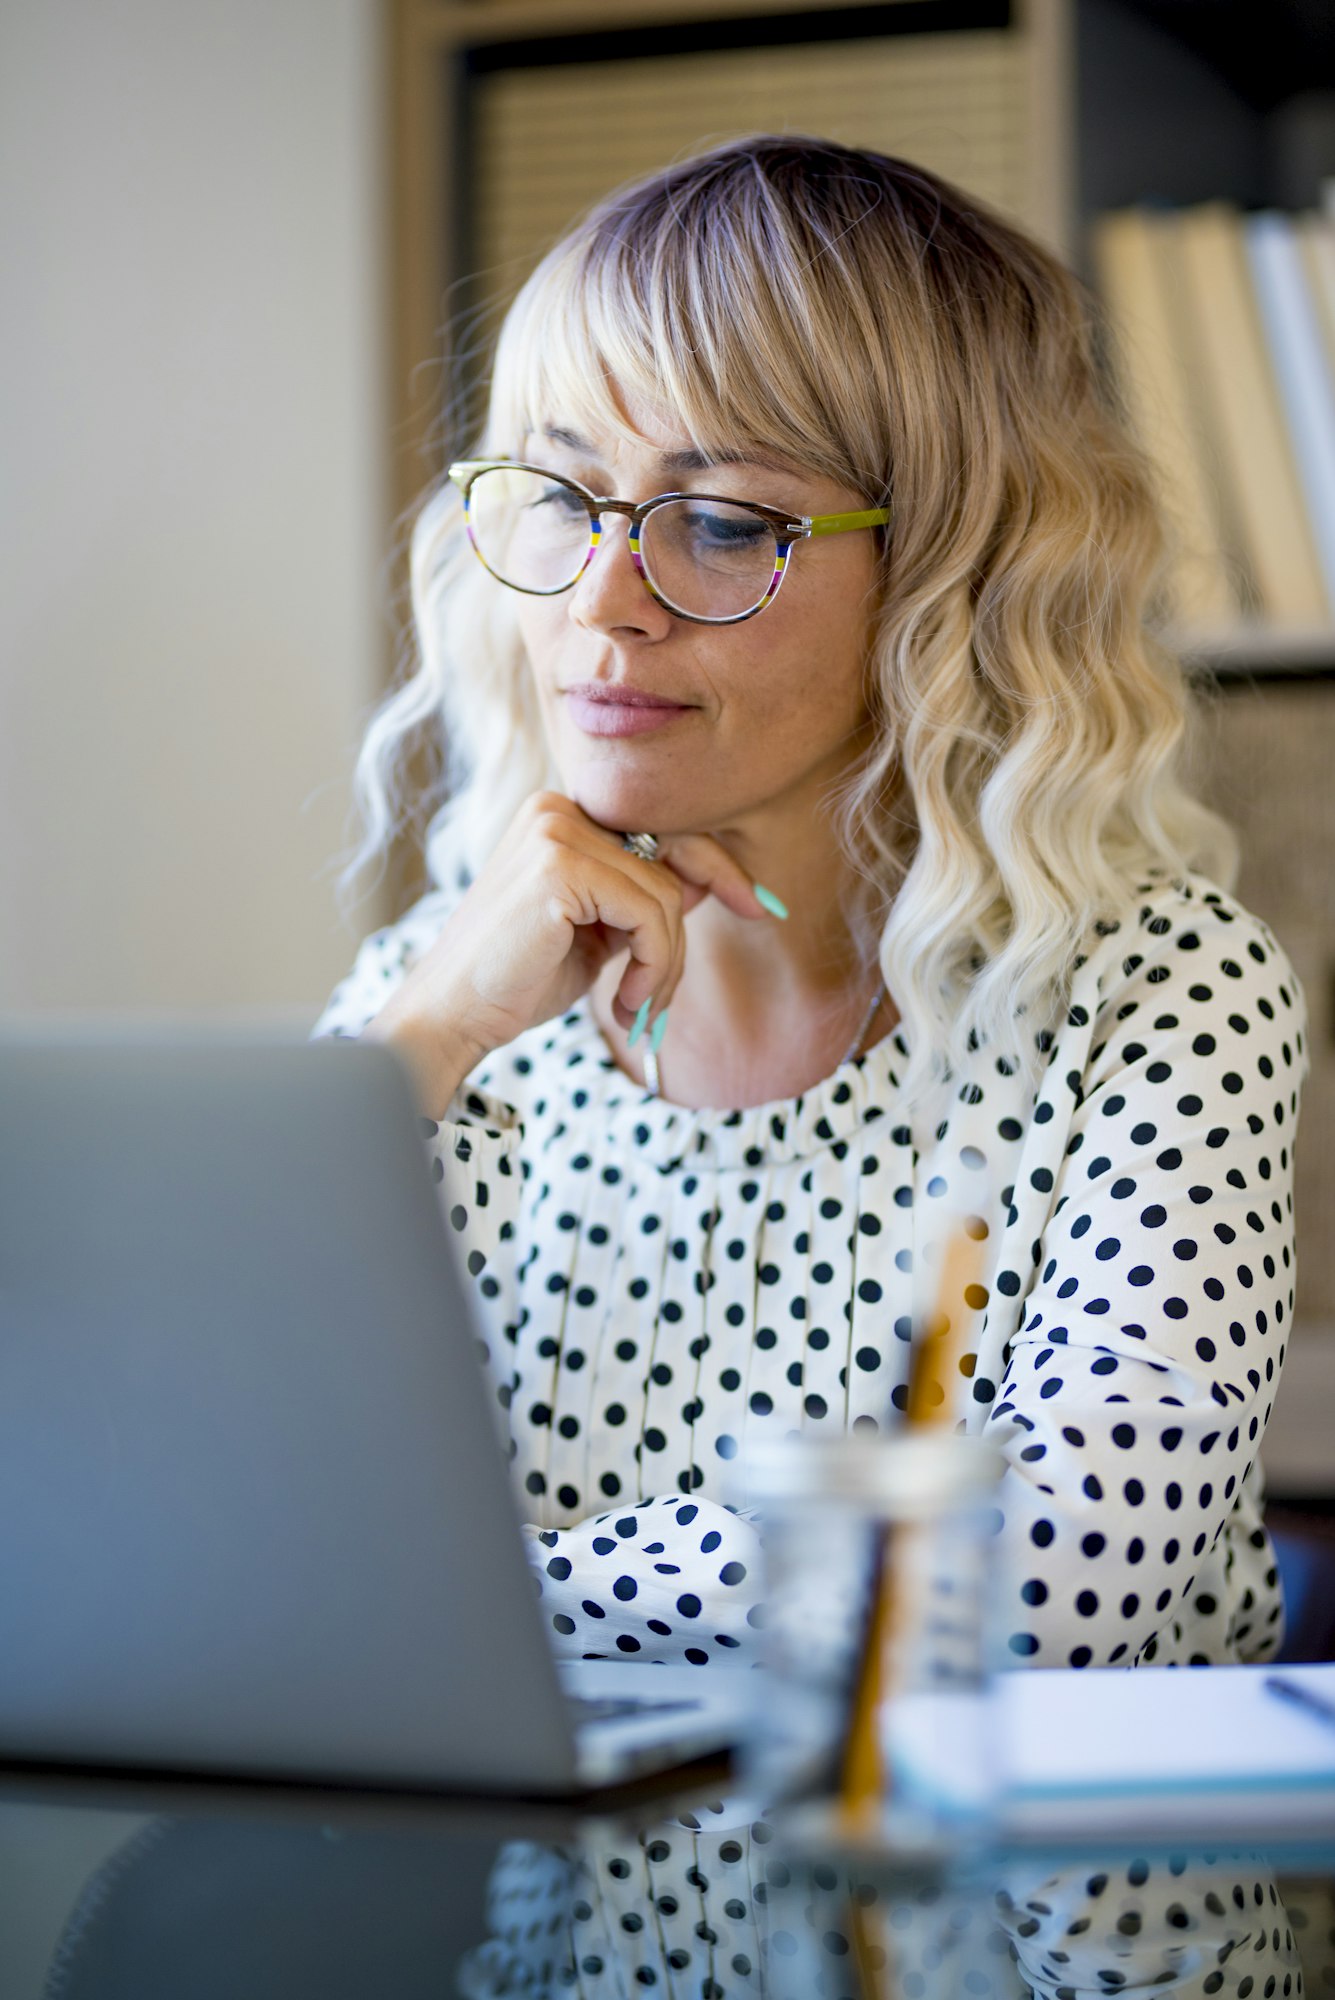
column 198, row 1892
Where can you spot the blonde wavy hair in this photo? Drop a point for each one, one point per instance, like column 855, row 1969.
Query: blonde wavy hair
column 864, row 317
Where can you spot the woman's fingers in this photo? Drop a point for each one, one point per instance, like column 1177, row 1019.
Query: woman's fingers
column 642, row 915
column 690, row 866
column 706, row 868
column 625, row 1001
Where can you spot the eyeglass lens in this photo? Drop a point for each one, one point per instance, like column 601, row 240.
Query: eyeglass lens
column 705, row 557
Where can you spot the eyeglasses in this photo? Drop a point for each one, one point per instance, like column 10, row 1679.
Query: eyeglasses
column 712, row 560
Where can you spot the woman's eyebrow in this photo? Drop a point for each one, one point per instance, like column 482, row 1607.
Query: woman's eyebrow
column 693, row 460
column 689, row 459
column 571, row 439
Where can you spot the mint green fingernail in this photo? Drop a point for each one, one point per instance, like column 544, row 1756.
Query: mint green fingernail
column 659, row 1030
column 640, row 1020
column 769, row 900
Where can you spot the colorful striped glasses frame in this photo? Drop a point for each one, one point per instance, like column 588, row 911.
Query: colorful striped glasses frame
column 787, row 529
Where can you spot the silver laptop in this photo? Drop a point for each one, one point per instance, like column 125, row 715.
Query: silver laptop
column 254, row 1511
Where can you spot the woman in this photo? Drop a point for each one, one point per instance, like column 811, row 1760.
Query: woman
column 940, row 930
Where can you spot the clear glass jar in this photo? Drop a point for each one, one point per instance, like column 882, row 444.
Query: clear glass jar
column 884, row 1545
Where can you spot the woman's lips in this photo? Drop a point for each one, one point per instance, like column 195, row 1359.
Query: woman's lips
column 631, row 715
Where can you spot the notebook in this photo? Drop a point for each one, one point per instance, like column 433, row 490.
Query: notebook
column 1105, row 1752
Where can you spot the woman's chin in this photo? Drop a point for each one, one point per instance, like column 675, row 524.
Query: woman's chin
column 618, row 800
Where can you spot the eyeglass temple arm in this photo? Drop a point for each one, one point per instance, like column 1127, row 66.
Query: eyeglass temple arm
column 837, row 524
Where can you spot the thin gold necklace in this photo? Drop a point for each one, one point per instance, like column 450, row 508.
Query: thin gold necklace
column 652, row 1073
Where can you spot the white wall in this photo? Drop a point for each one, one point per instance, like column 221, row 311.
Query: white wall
column 192, row 495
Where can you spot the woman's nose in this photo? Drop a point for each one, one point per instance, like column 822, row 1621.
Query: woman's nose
column 611, row 595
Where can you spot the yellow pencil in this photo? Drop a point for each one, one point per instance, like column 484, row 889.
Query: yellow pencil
column 933, row 1374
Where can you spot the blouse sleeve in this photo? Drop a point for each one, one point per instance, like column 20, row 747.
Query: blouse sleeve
column 667, row 1579
column 474, row 1148
column 1147, row 1358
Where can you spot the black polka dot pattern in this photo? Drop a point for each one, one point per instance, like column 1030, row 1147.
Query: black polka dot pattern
column 662, row 1286
column 664, row 1575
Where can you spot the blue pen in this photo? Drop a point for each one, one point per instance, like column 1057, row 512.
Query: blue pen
column 1302, row 1697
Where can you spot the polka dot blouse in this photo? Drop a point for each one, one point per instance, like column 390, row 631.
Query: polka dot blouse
column 660, row 1286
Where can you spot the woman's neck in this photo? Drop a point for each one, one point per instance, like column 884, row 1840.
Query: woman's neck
column 765, row 1009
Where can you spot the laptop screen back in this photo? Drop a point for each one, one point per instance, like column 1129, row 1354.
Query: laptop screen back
column 254, row 1514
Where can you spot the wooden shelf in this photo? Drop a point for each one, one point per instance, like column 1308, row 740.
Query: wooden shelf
column 1261, row 652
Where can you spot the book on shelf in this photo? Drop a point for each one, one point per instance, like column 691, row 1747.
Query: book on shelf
column 1152, row 367
column 1223, row 341
column 1306, row 381
column 1316, row 235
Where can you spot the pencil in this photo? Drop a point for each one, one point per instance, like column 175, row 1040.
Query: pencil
column 933, row 1371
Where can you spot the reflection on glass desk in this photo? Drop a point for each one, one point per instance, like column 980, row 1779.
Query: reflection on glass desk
column 200, row 1894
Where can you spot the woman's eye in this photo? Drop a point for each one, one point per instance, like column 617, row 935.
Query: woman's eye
column 727, row 531
column 560, row 499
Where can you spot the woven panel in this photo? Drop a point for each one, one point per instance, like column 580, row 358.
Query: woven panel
column 1264, row 760
column 551, row 141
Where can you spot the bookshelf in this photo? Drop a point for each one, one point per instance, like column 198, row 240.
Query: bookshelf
column 1181, row 101
column 1188, row 119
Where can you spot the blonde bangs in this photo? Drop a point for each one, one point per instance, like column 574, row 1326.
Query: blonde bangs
column 651, row 304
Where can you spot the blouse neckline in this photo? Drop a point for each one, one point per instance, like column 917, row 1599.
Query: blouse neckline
column 783, row 1129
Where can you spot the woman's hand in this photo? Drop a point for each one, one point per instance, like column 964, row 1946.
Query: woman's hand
column 557, row 899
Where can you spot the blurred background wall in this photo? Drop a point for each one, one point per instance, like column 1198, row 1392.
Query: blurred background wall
column 193, row 436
